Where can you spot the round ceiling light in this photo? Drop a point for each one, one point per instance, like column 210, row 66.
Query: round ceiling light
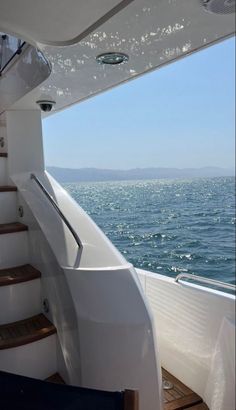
column 219, row 6
column 112, row 58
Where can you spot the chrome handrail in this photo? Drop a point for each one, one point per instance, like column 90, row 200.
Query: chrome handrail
column 208, row 281
column 53, row 203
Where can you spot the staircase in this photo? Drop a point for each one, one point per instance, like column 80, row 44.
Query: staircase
column 28, row 340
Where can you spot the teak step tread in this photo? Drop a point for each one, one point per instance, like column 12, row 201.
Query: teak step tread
column 55, row 378
column 12, row 228
column 180, row 396
column 201, row 406
column 3, row 155
column 25, row 331
column 8, row 188
column 19, row 274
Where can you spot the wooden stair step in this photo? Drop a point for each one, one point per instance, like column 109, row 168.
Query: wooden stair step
column 55, row 378
column 12, row 228
column 19, row 274
column 8, row 188
column 3, row 155
column 201, row 406
column 183, row 403
column 25, row 331
column 180, row 396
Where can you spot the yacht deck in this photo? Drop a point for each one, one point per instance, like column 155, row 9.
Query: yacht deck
column 177, row 398
column 180, row 396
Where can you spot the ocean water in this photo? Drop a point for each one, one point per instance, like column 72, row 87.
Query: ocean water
column 167, row 226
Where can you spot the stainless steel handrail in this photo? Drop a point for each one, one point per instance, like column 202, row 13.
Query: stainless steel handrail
column 208, row 281
column 53, row 203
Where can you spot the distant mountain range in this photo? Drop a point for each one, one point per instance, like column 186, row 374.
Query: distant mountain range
column 96, row 174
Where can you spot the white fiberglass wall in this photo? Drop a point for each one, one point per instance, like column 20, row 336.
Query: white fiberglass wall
column 196, row 333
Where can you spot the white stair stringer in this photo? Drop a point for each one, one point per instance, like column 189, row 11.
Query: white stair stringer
column 13, row 249
column 8, row 207
column 3, row 171
column 37, row 359
column 19, row 301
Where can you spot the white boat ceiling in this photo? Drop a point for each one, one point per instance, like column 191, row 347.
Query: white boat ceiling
column 55, row 22
column 152, row 33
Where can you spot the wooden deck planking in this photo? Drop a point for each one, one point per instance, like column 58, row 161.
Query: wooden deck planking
column 180, row 396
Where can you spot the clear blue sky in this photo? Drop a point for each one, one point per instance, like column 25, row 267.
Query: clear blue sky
column 179, row 116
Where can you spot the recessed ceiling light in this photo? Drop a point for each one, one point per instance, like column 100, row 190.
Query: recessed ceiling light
column 219, row 6
column 112, row 58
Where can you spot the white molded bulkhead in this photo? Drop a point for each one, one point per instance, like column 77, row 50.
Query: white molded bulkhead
column 37, row 359
column 14, row 249
column 97, row 251
column 3, row 171
column 8, row 205
column 189, row 320
column 19, row 301
column 117, row 344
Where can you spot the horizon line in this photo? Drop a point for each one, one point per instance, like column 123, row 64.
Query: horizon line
column 143, row 168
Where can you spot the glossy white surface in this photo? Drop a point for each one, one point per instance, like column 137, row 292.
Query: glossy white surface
column 153, row 33
column 25, row 147
column 3, row 171
column 55, row 22
column 97, row 250
column 53, row 283
column 110, row 334
column 189, row 318
column 54, row 288
column 3, row 138
column 37, row 359
column 106, row 333
column 27, row 71
column 23, row 300
column 222, row 371
column 8, row 207
column 20, row 301
column 13, row 249
column 117, row 344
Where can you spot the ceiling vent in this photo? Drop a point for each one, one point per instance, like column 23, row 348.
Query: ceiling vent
column 219, row 6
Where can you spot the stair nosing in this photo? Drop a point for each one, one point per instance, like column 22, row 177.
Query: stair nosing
column 9, row 228
column 7, row 277
column 8, row 188
column 38, row 334
column 55, row 378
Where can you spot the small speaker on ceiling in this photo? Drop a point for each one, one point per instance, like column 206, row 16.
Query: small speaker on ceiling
column 219, row 6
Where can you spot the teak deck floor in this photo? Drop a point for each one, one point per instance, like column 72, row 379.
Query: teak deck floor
column 180, row 396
